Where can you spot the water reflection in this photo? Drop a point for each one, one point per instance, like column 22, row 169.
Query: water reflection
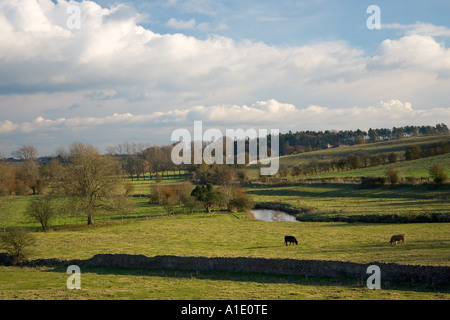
column 272, row 215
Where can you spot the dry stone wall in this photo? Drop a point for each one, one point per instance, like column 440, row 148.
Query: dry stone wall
column 389, row 271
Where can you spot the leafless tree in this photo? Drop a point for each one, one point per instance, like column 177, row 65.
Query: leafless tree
column 93, row 181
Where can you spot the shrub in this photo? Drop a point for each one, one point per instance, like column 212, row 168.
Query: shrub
column 437, row 172
column 209, row 197
column 241, row 203
column 16, row 242
column 412, row 180
column 190, row 203
column 412, row 153
column 392, row 176
column 129, row 188
column 249, row 216
column 392, row 157
column 159, row 193
column 41, row 210
column 169, row 204
column 370, row 182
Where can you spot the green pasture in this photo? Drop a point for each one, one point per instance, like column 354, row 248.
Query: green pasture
column 138, row 284
column 143, row 186
column 148, row 230
column 397, row 146
column 223, row 234
column 414, row 168
column 325, row 200
column 12, row 213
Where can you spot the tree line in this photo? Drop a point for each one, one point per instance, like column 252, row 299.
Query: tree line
column 141, row 160
column 305, row 141
column 219, row 188
column 365, row 159
column 86, row 179
column 90, row 182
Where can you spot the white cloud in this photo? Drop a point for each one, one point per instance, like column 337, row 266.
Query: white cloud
column 112, row 52
column 269, row 114
column 178, row 24
column 419, row 28
column 205, row 7
column 192, row 24
column 7, row 126
column 68, row 80
column 414, row 52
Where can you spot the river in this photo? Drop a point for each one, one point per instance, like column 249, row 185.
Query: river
column 272, row 215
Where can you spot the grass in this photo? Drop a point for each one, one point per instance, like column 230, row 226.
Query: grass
column 397, row 146
column 328, row 200
column 12, row 213
column 415, row 168
column 224, row 235
column 215, row 235
column 143, row 186
column 149, row 231
column 139, row 284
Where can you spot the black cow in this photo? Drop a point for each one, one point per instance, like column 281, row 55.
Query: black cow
column 290, row 239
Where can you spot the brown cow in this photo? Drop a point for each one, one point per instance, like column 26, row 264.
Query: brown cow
column 397, row 237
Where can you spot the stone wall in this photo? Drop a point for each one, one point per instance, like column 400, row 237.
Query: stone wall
column 389, row 271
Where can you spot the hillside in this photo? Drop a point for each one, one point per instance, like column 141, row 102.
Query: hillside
column 414, row 168
column 398, row 146
column 411, row 168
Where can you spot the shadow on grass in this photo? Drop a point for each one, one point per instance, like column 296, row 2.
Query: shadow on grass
column 262, row 247
column 263, row 278
column 321, row 190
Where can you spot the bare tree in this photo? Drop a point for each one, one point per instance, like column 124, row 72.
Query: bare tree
column 93, row 181
column 41, row 210
column 132, row 158
column 25, row 153
column 159, row 158
column 7, row 179
column 28, row 171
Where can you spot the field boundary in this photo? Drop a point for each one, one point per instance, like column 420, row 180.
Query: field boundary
column 393, row 272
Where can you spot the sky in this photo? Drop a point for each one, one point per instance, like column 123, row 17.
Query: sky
column 134, row 71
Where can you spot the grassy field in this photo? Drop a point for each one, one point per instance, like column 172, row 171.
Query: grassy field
column 327, row 200
column 12, row 213
column 223, row 234
column 138, row 284
column 415, row 168
column 149, row 231
column 397, row 146
column 215, row 235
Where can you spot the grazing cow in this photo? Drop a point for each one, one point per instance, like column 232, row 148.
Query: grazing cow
column 290, row 239
column 397, row 237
